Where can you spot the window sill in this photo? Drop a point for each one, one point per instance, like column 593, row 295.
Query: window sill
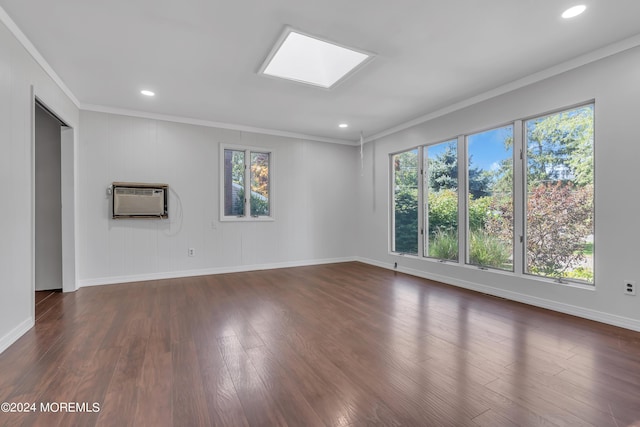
column 247, row 219
column 546, row 280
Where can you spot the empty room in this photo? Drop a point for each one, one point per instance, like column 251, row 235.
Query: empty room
column 281, row 213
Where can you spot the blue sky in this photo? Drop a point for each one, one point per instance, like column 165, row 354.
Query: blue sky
column 486, row 148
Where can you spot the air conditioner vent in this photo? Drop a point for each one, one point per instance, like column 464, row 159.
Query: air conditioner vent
column 137, row 200
column 139, row 191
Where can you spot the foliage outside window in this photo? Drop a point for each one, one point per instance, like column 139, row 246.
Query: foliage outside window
column 557, row 198
column 490, row 205
column 405, row 202
column 559, row 208
column 441, row 200
column 246, row 171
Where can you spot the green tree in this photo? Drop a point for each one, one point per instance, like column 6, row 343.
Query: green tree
column 443, row 174
column 560, row 147
column 443, row 170
column 405, row 168
column 502, row 177
column 406, row 221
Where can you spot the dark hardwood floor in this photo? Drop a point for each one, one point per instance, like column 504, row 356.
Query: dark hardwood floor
column 46, row 300
column 334, row 345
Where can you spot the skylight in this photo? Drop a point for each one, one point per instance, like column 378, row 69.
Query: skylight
column 574, row 11
column 307, row 59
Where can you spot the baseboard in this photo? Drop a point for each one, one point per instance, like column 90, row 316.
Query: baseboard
column 207, row 271
column 16, row 333
column 598, row 316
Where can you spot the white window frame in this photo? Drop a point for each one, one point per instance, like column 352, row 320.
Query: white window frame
column 515, row 244
column 247, row 217
column 392, row 213
column 523, row 214
column 519, row 202
column 424, row 202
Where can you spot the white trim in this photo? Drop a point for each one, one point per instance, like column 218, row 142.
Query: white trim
column 212, row 124
column 247, row 181
column 31, row 49
column 563, row 67
column 579, row 61
column 69, row 172
column 598, row 316
column 32, row 230
column 16, row 333
column 209, row 271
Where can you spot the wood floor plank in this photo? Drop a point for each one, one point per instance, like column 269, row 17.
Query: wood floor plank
column 219, row 390
column 118, row 407
column 328, row 345
column 93, row 387
column 260, row 407
column 336, row 398
column 154, row 399
column 188, row 399
column 273, row 371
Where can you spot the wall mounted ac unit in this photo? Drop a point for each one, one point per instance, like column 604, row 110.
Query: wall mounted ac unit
column 137, row 200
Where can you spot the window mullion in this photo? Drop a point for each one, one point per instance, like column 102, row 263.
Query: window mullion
column 519, row 191
column 421, row 211
column 425, row 201
column 247, row 183
column 463, row 223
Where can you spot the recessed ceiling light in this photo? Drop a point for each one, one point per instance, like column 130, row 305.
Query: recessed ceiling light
column 574, row 11
column 343, row 125
column 306, row 59
column 147, row 93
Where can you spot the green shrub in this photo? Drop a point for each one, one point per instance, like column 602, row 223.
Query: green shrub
column 443, row 211
column 406, row 221
column 488, row 250
column 479, row 210
column 444, row 245
column 582, row 273
column 259, row 206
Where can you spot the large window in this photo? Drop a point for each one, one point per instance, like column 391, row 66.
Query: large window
column 440, row 189
column 246, row 172
column 490, row 203
column 524, row 203
column 405, row 202
column 559, row 199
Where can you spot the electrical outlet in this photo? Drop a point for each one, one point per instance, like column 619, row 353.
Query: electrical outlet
column 629, row 287
column 192, row 252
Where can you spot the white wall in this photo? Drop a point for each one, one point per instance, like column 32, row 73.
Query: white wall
column 313, row 189
column 614, row 83
column 18, row 73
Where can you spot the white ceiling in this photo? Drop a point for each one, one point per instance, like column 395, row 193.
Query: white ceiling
column 201, row 57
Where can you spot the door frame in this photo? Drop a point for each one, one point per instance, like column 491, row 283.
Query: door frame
column 69, row 185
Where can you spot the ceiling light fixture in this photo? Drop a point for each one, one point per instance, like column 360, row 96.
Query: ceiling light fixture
column 574, row 11
column 343, row 125
column 147, row 93
column 308, row 59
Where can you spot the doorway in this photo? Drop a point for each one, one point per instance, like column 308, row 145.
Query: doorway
column 48, row 206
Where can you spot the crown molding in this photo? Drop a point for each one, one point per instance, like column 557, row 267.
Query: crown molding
column 593, row 56
column 212, row 124
column 601, row 53
column 31, row 49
